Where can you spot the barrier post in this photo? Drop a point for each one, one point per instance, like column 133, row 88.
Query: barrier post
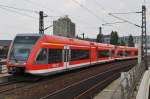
column 0, row 68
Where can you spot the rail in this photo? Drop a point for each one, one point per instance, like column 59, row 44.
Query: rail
column 83, row 88
column 80, row 84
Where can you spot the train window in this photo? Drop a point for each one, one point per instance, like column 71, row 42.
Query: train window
column 26, row 39
column 127, row 53
column 55, row 55
column 79, row 54
column 112, row 52
column 42, row 57
column 120, row 53
column 103, row 53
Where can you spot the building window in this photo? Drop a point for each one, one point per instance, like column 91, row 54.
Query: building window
column 103, row 53
column 46, row 56
column 55, row 56
column 79, row 54
column 41, row 57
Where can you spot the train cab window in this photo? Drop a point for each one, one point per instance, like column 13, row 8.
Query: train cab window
column 41, row 57
column 79, row 54
column 55, row 56
column 103, row 53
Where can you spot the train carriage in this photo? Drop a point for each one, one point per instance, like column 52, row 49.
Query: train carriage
column 105, row 52
column 42, row 54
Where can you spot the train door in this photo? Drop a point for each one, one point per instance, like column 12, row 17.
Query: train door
column 110, row 53
column 66, row 56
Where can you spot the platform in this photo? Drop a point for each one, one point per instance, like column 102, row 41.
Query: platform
column 108, row 91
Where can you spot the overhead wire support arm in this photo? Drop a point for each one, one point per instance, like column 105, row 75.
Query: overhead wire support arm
column 88, row 10
column 127, row 12
column 48, row 27
column 111, row 14
column 113, row 23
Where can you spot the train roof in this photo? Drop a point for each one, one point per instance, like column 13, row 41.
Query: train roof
column 29, row 34
column 71, row 41
column 108, row 45
column 65, row 40
column 126, row 47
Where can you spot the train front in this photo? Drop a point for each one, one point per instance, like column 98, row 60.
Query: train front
column 19, row 52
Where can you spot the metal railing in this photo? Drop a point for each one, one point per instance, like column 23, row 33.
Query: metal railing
column 3, row 68
column 128, row 83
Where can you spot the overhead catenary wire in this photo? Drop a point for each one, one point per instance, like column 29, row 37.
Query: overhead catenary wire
column 124, row 20
column 39, row 4
column 127, row 13
column 48, row 27
column 112, row 14
column 99, row 5
column 20, row 9
column 114, row 23
column 10, row 10
column 88, row 10
column 51, row 16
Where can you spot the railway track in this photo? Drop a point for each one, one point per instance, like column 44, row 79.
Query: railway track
column 78, row 90
column 10, row 83
column 8, row 80
column 71, row 84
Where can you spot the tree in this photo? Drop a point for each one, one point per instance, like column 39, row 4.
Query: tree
column 130, row 41
column 77, row 37
column 122, row 42
column 99, row 38
column 114, row 38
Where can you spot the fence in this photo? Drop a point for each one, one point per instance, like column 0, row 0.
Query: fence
column 3, row 68
column 128, row 83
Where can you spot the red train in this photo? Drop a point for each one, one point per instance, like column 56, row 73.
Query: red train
column 42, row 54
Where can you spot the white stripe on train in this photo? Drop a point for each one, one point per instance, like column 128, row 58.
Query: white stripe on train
column 60, row 69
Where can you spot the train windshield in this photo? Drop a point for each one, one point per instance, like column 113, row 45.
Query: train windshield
column 22, row 47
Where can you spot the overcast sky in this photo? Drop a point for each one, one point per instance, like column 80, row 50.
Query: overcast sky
column 12, row 23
